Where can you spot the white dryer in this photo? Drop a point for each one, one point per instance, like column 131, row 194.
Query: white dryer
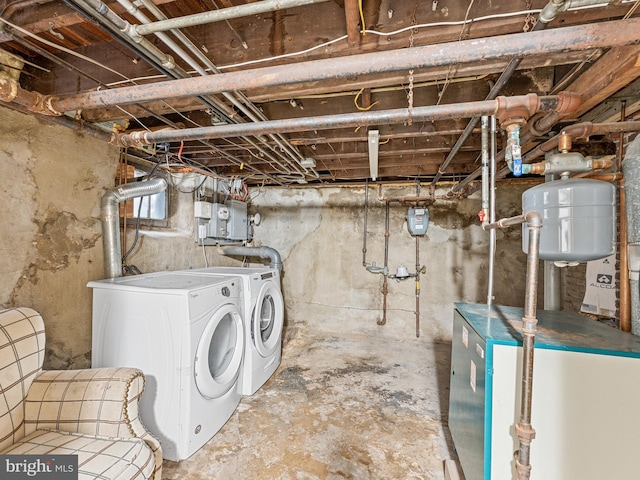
column 264, row 319
column 185, row 332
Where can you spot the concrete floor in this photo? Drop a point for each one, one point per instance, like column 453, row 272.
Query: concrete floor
column 354, row 406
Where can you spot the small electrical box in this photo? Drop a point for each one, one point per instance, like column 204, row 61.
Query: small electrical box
column 417, row 220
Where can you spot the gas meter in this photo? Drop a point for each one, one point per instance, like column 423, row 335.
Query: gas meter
column 417, row 220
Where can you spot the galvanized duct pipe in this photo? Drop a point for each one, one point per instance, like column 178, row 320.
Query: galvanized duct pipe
column 524, row 430
column 530, row 103
column 261, row 252
column 577, row 38
column 631, row 169
column 111, row 219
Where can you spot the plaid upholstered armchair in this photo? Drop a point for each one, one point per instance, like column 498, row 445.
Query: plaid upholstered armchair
column 90, row 413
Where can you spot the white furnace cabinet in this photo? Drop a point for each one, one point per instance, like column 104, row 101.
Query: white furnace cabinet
column 586, row 396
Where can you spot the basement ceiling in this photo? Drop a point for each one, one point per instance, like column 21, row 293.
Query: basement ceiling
column 305, row 91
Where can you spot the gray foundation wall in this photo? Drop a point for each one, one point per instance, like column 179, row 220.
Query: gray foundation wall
column 52, row 245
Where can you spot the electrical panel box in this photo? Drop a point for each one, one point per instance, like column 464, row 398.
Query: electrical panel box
column 237, row 226
column 585, row 395
column 417, row 220
column 222, row 223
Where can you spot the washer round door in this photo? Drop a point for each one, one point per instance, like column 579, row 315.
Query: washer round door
column 267, row 319
column 219, row 353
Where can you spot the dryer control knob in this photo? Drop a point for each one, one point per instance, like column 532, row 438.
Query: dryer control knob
column 226, row 292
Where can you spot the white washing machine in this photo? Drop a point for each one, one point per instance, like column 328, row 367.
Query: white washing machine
column 185, row 331
column 264, row 319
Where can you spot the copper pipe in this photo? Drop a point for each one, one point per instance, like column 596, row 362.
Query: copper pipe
column 493, row 93
column 540, row 168
column 605, row 177
column 535, row 129
column 366, row 218
column 543, row 125
column 404, row 199
column 385, row 284
column 581, row 130
column 625, row 294
column 576, row 38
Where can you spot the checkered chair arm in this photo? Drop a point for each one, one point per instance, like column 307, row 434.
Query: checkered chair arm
column 21, row 355
column 100, row 401
column 85, row 406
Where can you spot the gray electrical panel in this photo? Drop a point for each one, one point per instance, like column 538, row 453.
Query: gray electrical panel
column 222, row 223
column 417, row 220
column 237, row 225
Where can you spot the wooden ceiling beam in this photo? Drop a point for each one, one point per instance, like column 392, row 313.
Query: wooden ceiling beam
column 613, row 71
column 352, row 18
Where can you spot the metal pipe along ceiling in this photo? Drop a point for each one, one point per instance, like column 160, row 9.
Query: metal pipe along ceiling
column 531, row 102
column 583, row 37
column 285, row 163
column 221, row 15
column 493, row 93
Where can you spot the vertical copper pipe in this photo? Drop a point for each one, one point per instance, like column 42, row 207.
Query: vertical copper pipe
column 625, row 294
column 366, row 217
column 385, row 285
